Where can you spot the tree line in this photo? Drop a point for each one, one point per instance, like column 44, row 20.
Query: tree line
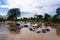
column 15, row 12
column 46, row 18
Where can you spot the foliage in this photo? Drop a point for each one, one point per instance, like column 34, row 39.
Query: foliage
column 13, row 14
column 56, row 18
column 39, row 16
column 58, row 11
column 46, row 17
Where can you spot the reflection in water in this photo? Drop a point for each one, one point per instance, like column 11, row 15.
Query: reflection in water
column 23, row 33
column 58, row 31
column 3, row 36
column 32, row 27
column 57, row 27
column 14, row 29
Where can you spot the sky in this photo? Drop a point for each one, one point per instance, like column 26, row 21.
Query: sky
column 29, row 8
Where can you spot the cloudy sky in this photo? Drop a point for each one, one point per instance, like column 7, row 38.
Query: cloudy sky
column 30, row 7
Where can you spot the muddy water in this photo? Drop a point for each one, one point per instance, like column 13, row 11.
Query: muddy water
column 26, row 34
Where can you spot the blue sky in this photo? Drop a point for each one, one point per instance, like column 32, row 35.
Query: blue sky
column 30, row 7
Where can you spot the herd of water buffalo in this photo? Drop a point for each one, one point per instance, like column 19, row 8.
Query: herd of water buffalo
column 38, row 28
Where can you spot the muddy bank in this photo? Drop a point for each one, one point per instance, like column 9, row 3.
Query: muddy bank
column 26, row 34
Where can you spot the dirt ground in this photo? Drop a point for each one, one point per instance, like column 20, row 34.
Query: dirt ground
column 26, row 34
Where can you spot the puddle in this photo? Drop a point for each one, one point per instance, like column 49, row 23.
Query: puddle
column 41, row 33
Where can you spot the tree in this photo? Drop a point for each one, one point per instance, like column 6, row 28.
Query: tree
column 58, row 11
column 13, row 14
column 46, row 17
column 1, row 18
column 56, row 18
column 24, row 18
column 39, row 16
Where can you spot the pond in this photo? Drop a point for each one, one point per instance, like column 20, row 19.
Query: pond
column 30, row 32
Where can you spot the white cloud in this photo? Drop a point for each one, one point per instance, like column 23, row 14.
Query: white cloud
column 32, row 5
column 2, row 13
column 28, row 15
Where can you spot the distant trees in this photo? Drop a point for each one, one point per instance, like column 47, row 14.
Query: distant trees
column 13, row 14
column 39, row 16
column 2, row 18
column 46, row 17
column 56, row 18
column 25, row 19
